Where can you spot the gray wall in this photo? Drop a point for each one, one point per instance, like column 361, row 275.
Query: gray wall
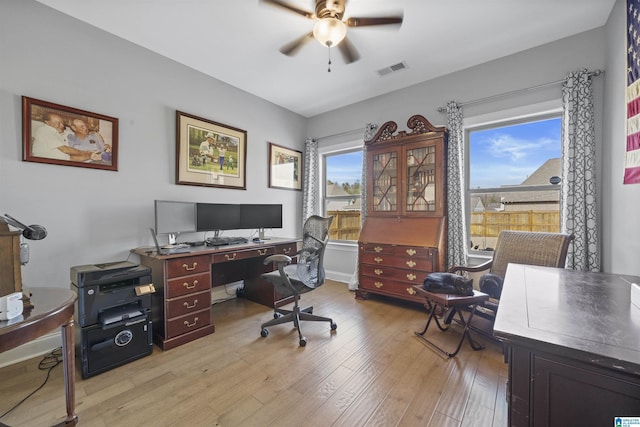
column 98, row 216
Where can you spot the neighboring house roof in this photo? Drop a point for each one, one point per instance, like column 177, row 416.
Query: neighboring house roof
column 342, row 205
column 540, row 176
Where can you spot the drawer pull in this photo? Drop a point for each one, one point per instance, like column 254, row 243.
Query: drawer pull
column 260, row 251
column 411, row 252
column 186, row 267
column 286, row 251
column 377, row 271
column 411, row 291
column 232, row 257
column 190, row 286
column 191, row 325
column 186, row 304
column 411, row 263
column 378, row 284
column 378, row 249
column 378, row 259
column 411, row 276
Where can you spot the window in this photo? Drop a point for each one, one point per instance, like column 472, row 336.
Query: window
column 343, row 173
column 514, row 170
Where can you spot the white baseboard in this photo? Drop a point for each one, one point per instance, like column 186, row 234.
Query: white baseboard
column 338, row 276
column 35, row 348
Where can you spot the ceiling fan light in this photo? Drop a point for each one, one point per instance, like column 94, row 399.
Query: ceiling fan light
column 329, row 31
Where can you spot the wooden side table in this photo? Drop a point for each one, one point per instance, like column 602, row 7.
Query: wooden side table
column 444, row 301
column 52, row 308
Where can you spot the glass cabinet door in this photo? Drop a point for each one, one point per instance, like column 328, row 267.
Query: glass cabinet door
column 385, row 181
column 421, row 179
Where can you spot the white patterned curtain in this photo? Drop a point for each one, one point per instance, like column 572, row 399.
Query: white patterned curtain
column 369, row 130
column 310, row 181
column 578, row 200
column 456, row 235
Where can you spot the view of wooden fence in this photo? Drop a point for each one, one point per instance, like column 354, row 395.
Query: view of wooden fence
column 346, row 224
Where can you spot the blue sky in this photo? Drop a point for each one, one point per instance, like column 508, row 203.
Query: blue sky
column 508, row 155
column 345, row 167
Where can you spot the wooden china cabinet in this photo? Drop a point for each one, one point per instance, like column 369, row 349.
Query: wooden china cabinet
column 404, row 234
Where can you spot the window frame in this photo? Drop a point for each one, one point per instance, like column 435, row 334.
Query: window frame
column 515, row 116
column 334, row 150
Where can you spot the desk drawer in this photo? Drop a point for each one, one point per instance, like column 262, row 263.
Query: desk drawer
column 242, row 254
column 188, row 265
column 190, row 322
column 188, row 304
column 389, row 287
column 413, row 263
column 385, row 272
column 287, row 249
column 188, row 285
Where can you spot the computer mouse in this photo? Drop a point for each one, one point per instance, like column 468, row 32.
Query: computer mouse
column 256, row 239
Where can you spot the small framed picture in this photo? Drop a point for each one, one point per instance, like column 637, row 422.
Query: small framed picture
column 209, row 154
column 285, row 168
column 61, row 135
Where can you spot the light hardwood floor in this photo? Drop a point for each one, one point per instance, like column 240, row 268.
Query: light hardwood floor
column 372, row 371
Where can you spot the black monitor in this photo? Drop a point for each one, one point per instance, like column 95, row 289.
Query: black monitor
column 173, row 218
column 260, row 216
column 217, row 216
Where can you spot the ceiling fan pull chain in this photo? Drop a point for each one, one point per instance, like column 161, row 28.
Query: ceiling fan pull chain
column 329, row 49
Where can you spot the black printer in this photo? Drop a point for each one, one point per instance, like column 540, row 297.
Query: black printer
column 113, row 312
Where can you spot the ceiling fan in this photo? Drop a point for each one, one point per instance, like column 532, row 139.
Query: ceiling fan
column 330, row 29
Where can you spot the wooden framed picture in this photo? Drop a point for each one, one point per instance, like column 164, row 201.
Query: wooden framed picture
column 61, row 135
column 209, row 154
column 285, row 168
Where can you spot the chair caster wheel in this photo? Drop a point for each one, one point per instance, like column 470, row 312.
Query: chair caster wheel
column 264, row 333
column 276, row 315
column 334, row 326
column 303, row 342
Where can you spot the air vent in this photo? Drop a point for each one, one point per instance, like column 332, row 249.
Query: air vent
column 392, row 68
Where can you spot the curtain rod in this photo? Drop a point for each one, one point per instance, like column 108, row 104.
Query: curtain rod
column 514, row 92
column 361, row 130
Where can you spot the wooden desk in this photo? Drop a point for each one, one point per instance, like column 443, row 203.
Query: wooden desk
column 573, row 345
column 52, row 308
column 181, row 305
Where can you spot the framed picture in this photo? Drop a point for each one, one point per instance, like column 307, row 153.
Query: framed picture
column 61, row 135
column 209, row 154
column 285, row 168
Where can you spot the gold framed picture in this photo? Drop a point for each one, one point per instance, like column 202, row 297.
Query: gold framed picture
column 209, row 154
column 285, row 168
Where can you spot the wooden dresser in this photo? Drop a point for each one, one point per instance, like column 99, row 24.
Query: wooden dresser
column 404, row 234
column 181, row 305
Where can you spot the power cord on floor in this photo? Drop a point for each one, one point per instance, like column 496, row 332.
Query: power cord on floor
column 48, row 362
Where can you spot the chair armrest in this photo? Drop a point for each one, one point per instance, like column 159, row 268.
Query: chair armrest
column 278, row 258
column 471, row 269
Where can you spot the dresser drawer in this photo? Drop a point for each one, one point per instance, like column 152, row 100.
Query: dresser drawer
column 188, row 304
column 415, row 252
column 412, row 263
column 188, row 265
column 411, row 277
column 243, row 254
column 190, row 322
column 377, row 248
column 389, row 287
column 188, row 285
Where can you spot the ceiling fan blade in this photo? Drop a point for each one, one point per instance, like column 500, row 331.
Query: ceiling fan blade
column 290, row 8
column 365, row 22
column 292, row 48
column 349, row 53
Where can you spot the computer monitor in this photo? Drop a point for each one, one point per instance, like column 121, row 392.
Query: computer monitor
column 260, row 216
column 217, row 217
column 173, row 218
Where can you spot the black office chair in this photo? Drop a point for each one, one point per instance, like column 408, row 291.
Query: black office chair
column 304, row 276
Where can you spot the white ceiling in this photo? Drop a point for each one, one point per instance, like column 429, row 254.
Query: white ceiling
column 237, row 41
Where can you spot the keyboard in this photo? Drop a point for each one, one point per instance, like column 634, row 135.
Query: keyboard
column 191, row 244
column 221, row 241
